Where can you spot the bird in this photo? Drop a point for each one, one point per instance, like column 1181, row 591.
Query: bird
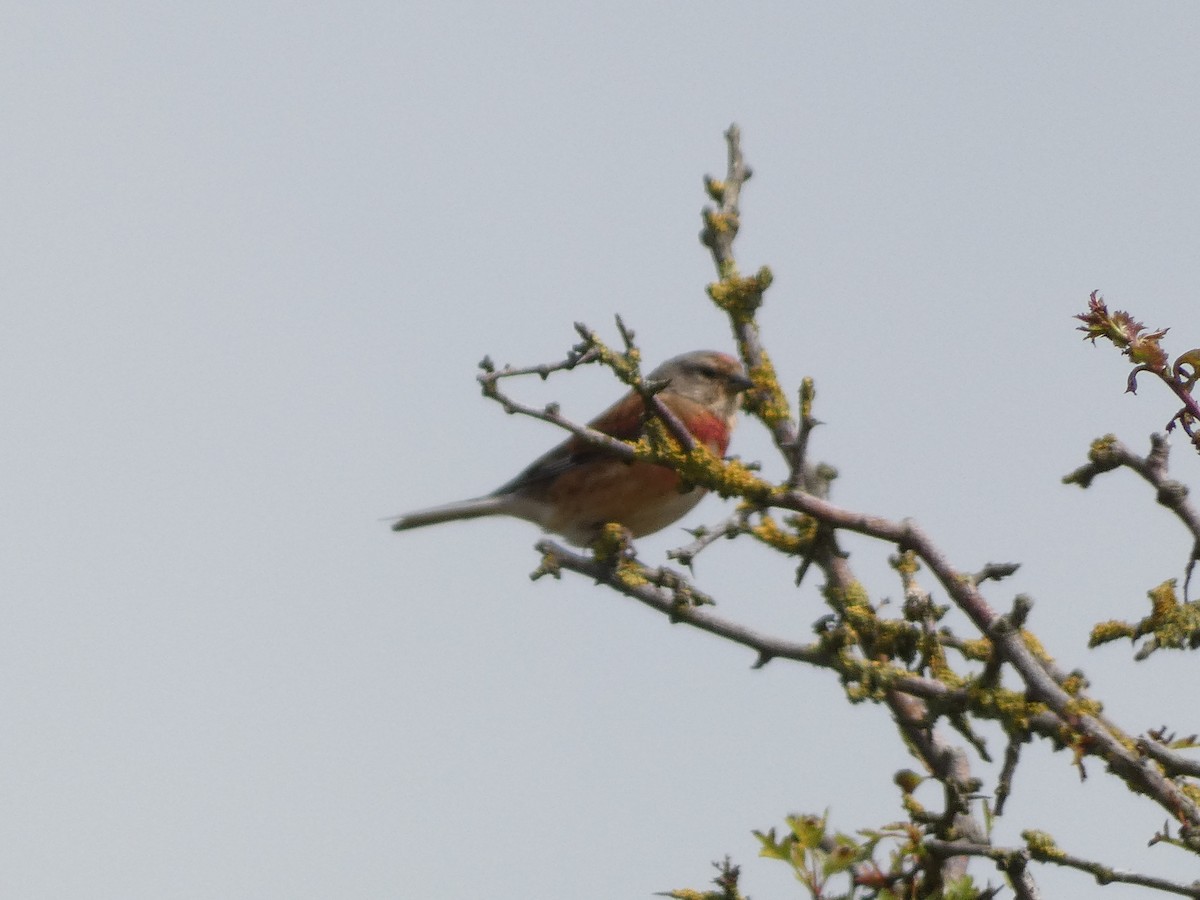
column 575, row 489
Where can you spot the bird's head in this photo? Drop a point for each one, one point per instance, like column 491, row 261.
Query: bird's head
column 707, row 377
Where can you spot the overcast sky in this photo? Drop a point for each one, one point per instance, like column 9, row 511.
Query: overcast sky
column 251, row 255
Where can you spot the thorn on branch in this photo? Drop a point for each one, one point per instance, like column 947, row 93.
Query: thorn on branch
column 705, row 536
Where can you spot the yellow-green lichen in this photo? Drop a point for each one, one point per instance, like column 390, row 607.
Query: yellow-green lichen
column 1011, row 707
column 719, row 222
column 905, row 563
column 979, row 649
column 739, row 296
column 767, row 401
column 1112, row 630
column 715, row 188
column 624, row 364
column 1163, row 601
column 549, row 565
column 808, row 394
column 630, row 574
column 1035, row 646
column 1190, row 789
column 913, row 807
column 1074, row 683
column 853, row 594
column 1173, row 624
column 701, row 467
column 860, row 616
column 791, row 542
column 1101, row 448
column 1084, row 706
column 865, row 679
column 935, row 656
column 862, row 679
column 1041, row 845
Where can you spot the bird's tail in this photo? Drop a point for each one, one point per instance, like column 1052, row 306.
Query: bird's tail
column 463, row 509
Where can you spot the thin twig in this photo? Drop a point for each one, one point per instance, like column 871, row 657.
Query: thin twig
column 720, row 229
column 667, row 601
column 543, row 370
column 705, row 536
column 550, row 413
column 1012, row 756
column 1108, row 453
column 798, row 476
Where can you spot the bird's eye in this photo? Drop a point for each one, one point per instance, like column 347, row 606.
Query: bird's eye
column 708, row 371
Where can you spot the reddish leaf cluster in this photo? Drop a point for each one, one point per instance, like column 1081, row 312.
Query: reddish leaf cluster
column 1125, row 332
column 1143, row 347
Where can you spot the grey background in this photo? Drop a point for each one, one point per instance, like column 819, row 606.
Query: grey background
column 250, row 256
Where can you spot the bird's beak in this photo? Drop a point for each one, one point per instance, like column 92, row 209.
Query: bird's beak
column 739, row 383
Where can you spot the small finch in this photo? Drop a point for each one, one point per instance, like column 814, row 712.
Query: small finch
column 575, row 489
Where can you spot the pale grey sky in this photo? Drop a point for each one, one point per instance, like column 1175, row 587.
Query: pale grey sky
column 251, row 255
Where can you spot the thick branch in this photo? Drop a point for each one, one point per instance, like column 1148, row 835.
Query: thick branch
column 1007, row 858
column 1100, row 737
column 1173, row 763
column 1053, row 703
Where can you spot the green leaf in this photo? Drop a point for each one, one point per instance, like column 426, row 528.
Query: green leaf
column 961, row 889
column 774, row 849
column 809, row 830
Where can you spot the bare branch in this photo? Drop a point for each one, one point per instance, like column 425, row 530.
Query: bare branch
column 1173, row 763
column 900, row 662
column 574, row 358
column 705, row 536
column 1098, row 737
column 489, row 383
column 1007, row 858
column 590, row 351
column 740, row 298
column 1012, row 756
column 1108, row 453
column 721, row 225
column 798, row 456
column 669, row 601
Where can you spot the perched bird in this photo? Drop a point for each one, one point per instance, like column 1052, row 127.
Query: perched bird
column 575, row 489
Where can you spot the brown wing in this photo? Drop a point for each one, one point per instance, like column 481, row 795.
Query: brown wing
column 623, row 420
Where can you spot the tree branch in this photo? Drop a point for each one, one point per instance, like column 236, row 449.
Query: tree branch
column 1108, row 454
column 1007, row 858
column 671, row 594
column 874, row 656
